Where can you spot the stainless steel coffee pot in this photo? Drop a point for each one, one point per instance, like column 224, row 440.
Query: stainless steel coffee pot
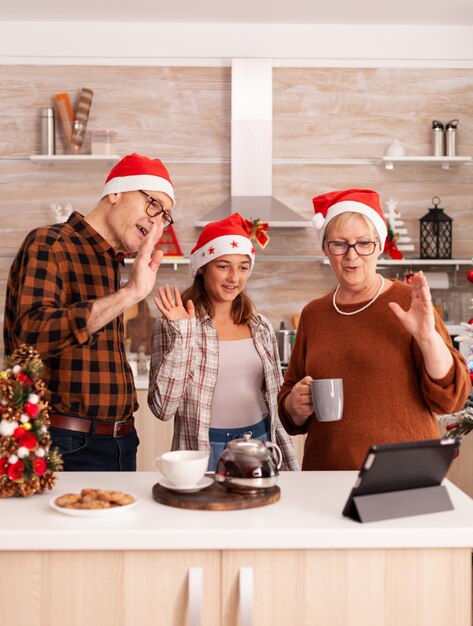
column 285, row 338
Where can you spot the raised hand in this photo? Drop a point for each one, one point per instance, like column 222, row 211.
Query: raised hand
column 419, row 320
column 145, row 265
column 170, row 304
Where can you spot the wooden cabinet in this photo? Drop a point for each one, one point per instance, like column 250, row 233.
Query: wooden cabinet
column 155, row 435
column 336, row 588
column 239, row 587
column 119, row 588
column 461, row 471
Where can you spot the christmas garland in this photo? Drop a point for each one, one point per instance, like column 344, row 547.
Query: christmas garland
column 27, row 464
column 458, row 424
column 461, row 423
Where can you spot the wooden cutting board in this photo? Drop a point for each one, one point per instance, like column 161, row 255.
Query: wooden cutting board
column 140, row 328
column 215, row 498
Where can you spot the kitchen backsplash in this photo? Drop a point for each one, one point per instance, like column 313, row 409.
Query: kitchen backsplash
column 182, row 115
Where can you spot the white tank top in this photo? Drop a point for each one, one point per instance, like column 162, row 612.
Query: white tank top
column 238, row 400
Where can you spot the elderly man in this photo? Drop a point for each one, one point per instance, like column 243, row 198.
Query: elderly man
column 64, row 299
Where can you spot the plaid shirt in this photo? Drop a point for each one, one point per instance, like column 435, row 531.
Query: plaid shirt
column 183, row 374
column 57, row 274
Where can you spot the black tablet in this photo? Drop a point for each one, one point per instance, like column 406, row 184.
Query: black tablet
column 402, row 467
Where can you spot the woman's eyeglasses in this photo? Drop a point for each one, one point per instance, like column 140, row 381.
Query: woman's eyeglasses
column 363, row 248
column 155, row 204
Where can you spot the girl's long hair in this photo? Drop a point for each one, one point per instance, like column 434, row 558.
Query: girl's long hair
column 242, row 307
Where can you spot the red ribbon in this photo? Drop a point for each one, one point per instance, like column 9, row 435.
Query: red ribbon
column 258, row 231
column 391, row 248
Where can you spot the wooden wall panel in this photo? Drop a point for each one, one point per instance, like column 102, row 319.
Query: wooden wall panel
column 355, row 112
column 182, row 115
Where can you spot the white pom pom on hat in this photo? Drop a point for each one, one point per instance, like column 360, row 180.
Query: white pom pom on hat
column 227, row 236
column 135, row 172
column 318, row 221
column 363, row 201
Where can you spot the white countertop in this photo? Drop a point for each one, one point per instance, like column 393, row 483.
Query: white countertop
column 308, row 515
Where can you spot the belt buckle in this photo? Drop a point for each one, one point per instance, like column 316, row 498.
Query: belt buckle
column 116, row 427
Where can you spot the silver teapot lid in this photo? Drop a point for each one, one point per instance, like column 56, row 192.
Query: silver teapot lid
column 247, row 445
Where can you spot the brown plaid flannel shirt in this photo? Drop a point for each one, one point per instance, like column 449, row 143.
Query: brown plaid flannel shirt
column 57, row 274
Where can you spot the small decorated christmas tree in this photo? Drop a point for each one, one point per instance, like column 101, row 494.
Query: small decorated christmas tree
column 27, row 464
column 169, row 244
column 398, row 240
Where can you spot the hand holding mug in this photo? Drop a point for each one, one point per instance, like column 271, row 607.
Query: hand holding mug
column 299, row 402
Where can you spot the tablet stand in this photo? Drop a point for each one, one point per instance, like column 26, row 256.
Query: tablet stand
column 404, row 503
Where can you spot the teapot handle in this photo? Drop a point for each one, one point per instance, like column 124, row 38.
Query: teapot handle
column 275, row 449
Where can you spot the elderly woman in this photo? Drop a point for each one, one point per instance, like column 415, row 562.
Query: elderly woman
column 382, row 337
column 214, row 361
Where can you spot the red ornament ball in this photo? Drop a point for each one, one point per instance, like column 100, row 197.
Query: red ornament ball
column 470, row 276
column 31, row 409
column 470, row 321
column 39, row 466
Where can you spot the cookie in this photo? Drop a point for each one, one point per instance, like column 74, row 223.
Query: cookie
column 93, row 499
column 67, row 499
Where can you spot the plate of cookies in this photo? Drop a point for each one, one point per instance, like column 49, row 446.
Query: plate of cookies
column 93, row 503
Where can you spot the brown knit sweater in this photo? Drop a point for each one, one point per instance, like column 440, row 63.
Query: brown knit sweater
column 388, row 395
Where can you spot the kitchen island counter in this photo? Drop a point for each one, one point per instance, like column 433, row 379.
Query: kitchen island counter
column 308, row 515
column 298, row 561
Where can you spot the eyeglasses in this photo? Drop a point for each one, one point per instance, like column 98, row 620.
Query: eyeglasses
column 362, row 248
column 156, row 204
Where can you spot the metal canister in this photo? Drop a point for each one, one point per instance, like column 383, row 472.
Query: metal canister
column 285, row 339
column 48, row 140
column 451, row 138
column 438, row 138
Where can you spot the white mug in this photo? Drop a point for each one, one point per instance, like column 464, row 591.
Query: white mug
column 327, row 399
column 183, row 468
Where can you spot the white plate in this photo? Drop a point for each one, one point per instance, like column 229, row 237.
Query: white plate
column 206, row 481
column 114, row 510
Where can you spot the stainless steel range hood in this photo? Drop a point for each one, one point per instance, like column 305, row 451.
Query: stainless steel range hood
column 252, row 150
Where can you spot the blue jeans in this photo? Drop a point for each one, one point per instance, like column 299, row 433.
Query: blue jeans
column 219, row 438
column 83, row 452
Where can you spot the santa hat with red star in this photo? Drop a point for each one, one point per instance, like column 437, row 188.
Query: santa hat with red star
column 135, row 172
column 227, row 236
column 363, row 201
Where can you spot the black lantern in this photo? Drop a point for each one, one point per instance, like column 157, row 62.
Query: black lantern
column 436, row 233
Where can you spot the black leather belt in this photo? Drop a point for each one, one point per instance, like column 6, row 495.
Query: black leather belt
column 84, row 425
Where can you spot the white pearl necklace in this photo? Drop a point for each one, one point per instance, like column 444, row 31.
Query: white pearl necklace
column 363, row 307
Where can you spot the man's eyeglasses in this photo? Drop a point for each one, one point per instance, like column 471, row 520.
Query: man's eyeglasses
column 362, row 248
column 155, row 208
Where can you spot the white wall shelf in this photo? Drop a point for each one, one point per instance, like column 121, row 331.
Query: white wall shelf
column 73, row 158
column 326, row 161
column 444, row 161
column 196, row 160
column 417, row 262
column 388, row 162
column 166, row 261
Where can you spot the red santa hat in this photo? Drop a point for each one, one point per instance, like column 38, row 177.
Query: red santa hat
column 136, row 172
column 227, row 236
column 363, row 201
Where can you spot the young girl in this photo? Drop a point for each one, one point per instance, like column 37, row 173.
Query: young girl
column 214, row 364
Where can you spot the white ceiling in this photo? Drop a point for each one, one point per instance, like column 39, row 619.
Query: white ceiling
column 390, row 12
